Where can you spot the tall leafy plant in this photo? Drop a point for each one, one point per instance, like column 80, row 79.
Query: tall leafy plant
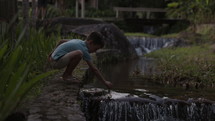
column 20, row 66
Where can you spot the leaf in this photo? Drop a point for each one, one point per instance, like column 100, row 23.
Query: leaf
column 20, row 37
column 8, row 69
column 28, row 85
column 11, row 100
column 16, row 78
column 173, row 5
column 3, row 50
column 207, row 2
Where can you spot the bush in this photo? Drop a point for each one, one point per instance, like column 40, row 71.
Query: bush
column 197, row 11
column 96, row 13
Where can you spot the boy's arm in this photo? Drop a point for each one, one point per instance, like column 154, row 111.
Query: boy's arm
column 98, row 74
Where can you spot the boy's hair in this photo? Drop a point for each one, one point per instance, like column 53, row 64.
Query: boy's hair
column 96, row 38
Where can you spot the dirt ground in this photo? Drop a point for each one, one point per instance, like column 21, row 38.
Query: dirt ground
column 57, row 102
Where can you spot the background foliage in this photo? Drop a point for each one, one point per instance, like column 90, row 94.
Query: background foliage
column 197, row 11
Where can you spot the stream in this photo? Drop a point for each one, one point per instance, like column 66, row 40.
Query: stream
column 135, row 99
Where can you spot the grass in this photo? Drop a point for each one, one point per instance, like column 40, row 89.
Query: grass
column 139, row 34
column 193, row 64
column 174, row 35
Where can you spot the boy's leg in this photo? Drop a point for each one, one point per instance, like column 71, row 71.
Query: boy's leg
column 70, row 61
column 74, row 59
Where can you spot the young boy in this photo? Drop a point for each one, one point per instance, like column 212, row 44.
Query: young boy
column 69, row 53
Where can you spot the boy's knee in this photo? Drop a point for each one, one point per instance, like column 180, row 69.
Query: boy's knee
column 79, row 54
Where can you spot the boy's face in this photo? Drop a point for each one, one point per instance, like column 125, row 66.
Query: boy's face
column 93, row 48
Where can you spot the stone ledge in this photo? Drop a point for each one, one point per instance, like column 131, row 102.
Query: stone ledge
column 57, row 102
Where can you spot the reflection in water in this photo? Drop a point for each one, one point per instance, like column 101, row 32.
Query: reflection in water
column 120, row 74
column 125, row 78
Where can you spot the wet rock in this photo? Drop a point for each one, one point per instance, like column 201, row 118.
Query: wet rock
column 34, row 110
column 114, row 38
column 54, row 117
column 34, row 117
column 35, row 120
column 93, row 92
column 69, row 21
column 75, row 118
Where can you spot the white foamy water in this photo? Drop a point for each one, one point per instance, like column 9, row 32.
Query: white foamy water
column 141, row 90
column 117, row 95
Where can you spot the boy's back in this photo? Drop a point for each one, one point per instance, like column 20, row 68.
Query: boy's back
column 71, row 45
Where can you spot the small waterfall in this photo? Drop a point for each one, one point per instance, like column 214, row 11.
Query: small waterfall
column 145, row 44
column 137, row 111
column 132, row 108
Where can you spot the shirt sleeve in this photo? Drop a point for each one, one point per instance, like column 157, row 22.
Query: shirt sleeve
column 86, row 56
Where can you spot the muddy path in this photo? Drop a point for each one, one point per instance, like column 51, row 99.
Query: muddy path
column 57, row 102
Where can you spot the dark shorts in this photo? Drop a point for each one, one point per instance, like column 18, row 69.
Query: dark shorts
column 42, row 3
column 61, row 62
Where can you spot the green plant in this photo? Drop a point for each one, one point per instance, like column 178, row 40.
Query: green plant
column 15, row 82
column 91, row 12
column 52, row 12
column 21, row 65
column 139, row 34
column 197, row 11
column 192, row 64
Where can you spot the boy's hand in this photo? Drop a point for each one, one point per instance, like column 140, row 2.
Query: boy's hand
column 108, row 84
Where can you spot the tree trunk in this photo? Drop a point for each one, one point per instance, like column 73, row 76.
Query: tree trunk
column 25, row 5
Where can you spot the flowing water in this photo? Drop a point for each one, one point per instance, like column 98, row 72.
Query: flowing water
column 136, row 99
column 146, row 44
